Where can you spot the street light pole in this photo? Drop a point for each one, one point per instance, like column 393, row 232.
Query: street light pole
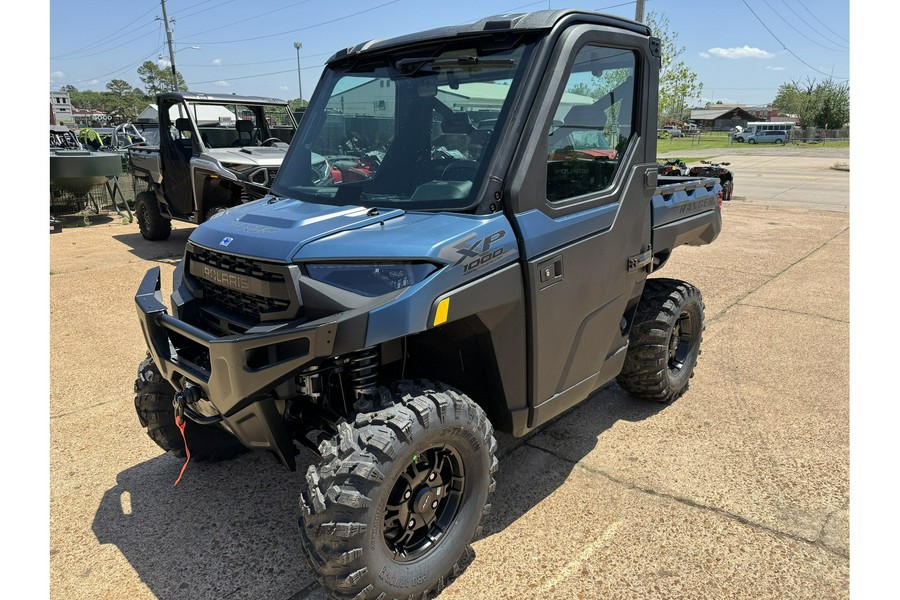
column 298, row 45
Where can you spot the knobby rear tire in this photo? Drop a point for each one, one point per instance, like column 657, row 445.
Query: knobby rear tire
column 664, row 343
column 152, row 224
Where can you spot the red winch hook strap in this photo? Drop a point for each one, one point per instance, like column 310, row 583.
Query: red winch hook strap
column 181, row 422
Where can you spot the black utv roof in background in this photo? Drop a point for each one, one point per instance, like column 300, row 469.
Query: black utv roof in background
column 219, row 98
column 511, row 22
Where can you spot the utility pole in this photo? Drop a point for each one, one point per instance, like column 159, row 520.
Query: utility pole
column 171, row 49
column 639, row 11
column 298, row 45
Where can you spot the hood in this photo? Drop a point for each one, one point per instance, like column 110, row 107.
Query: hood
column 276, row 229
column 284, row 230
column 263, row 156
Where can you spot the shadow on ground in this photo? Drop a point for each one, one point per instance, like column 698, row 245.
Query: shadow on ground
column 173, row 247
column 230, row 529
column 521, row 485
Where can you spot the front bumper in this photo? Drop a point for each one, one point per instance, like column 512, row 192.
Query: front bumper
column 241, row 370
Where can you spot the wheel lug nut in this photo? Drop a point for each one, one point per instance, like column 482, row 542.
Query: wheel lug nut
column 412, row 524
column 407, row 495
column 433, row 476
column 434, row 504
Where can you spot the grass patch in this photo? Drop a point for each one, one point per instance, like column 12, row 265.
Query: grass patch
column 712, row 139
column 720, row 139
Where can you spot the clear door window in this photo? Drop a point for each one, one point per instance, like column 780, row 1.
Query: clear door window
column 592, row 123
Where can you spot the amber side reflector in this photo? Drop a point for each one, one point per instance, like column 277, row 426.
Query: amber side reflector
column 440, row 315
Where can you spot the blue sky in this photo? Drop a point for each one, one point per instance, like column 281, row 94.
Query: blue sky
column 248, row 47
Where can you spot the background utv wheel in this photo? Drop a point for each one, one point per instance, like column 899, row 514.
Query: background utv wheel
column 399, row 495
column 665, row 341
column 153, row 225
column 153, row 402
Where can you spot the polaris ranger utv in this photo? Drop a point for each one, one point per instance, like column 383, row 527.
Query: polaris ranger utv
column 214, row 151
column 490, row 270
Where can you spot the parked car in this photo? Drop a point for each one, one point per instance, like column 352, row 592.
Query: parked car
column 673, row 131
column 766, row 137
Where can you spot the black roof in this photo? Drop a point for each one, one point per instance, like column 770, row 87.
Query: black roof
column 219, row 98
column 512, row 22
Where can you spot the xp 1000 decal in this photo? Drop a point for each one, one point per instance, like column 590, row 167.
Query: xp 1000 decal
column 474, row 252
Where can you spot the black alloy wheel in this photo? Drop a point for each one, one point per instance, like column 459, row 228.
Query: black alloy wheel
column 424, row 502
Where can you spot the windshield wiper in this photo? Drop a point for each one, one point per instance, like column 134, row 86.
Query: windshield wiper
column 411, row 65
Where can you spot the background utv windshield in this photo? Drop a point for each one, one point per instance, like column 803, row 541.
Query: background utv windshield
column 413, row 131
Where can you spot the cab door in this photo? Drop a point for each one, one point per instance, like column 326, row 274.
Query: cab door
column 177, row 145
column 582, row 198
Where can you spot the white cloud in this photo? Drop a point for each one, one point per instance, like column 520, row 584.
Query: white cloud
column 742, row 52
column 57, row 75
column 776, row 68
column 94, row 81
column 704, row 55
column 163, row 63
column 284, row 88
column 222, row 83
column 217, row 61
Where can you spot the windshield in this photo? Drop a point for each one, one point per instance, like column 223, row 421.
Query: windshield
column 413, row 131
column 227, row 125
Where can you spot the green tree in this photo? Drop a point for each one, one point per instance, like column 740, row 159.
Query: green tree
column 677, row 82
column 817, row 104
column 123, row 102
column 157, row 79
column 84, row 99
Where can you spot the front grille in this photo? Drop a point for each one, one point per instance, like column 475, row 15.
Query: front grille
column 270, row 297
column 248, row 305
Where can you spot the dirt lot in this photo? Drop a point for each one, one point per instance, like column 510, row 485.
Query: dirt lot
column 740, row 489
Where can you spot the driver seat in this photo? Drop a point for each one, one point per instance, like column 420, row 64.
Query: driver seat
column 185, row 143
column 244, row 126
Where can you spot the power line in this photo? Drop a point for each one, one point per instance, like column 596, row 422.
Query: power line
column 271, row 35
column 788, row 50
column 791, row 25
column 263, row 62
column 140, row 61
column 104, row 41
column 193, row 6
column 242, row 21
column 615, row 6
column 523, row 6
column 127, row 43
column 820, row 22
column 199, row 12
column 802, row 20
column 257, row 75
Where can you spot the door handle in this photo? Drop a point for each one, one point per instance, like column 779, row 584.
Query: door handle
column 550, row 272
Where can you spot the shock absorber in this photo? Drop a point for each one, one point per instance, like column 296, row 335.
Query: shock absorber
column 363, row 372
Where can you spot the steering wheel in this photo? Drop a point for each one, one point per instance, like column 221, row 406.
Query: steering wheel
column 270, row 141
column 460, row 170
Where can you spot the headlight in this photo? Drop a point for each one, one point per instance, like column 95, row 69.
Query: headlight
column 238, row 167
column 371, row 279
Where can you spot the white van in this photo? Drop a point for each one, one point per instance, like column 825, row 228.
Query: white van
column 759, row 127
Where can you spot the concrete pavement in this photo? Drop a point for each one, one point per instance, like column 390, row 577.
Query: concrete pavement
column 738, row 489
